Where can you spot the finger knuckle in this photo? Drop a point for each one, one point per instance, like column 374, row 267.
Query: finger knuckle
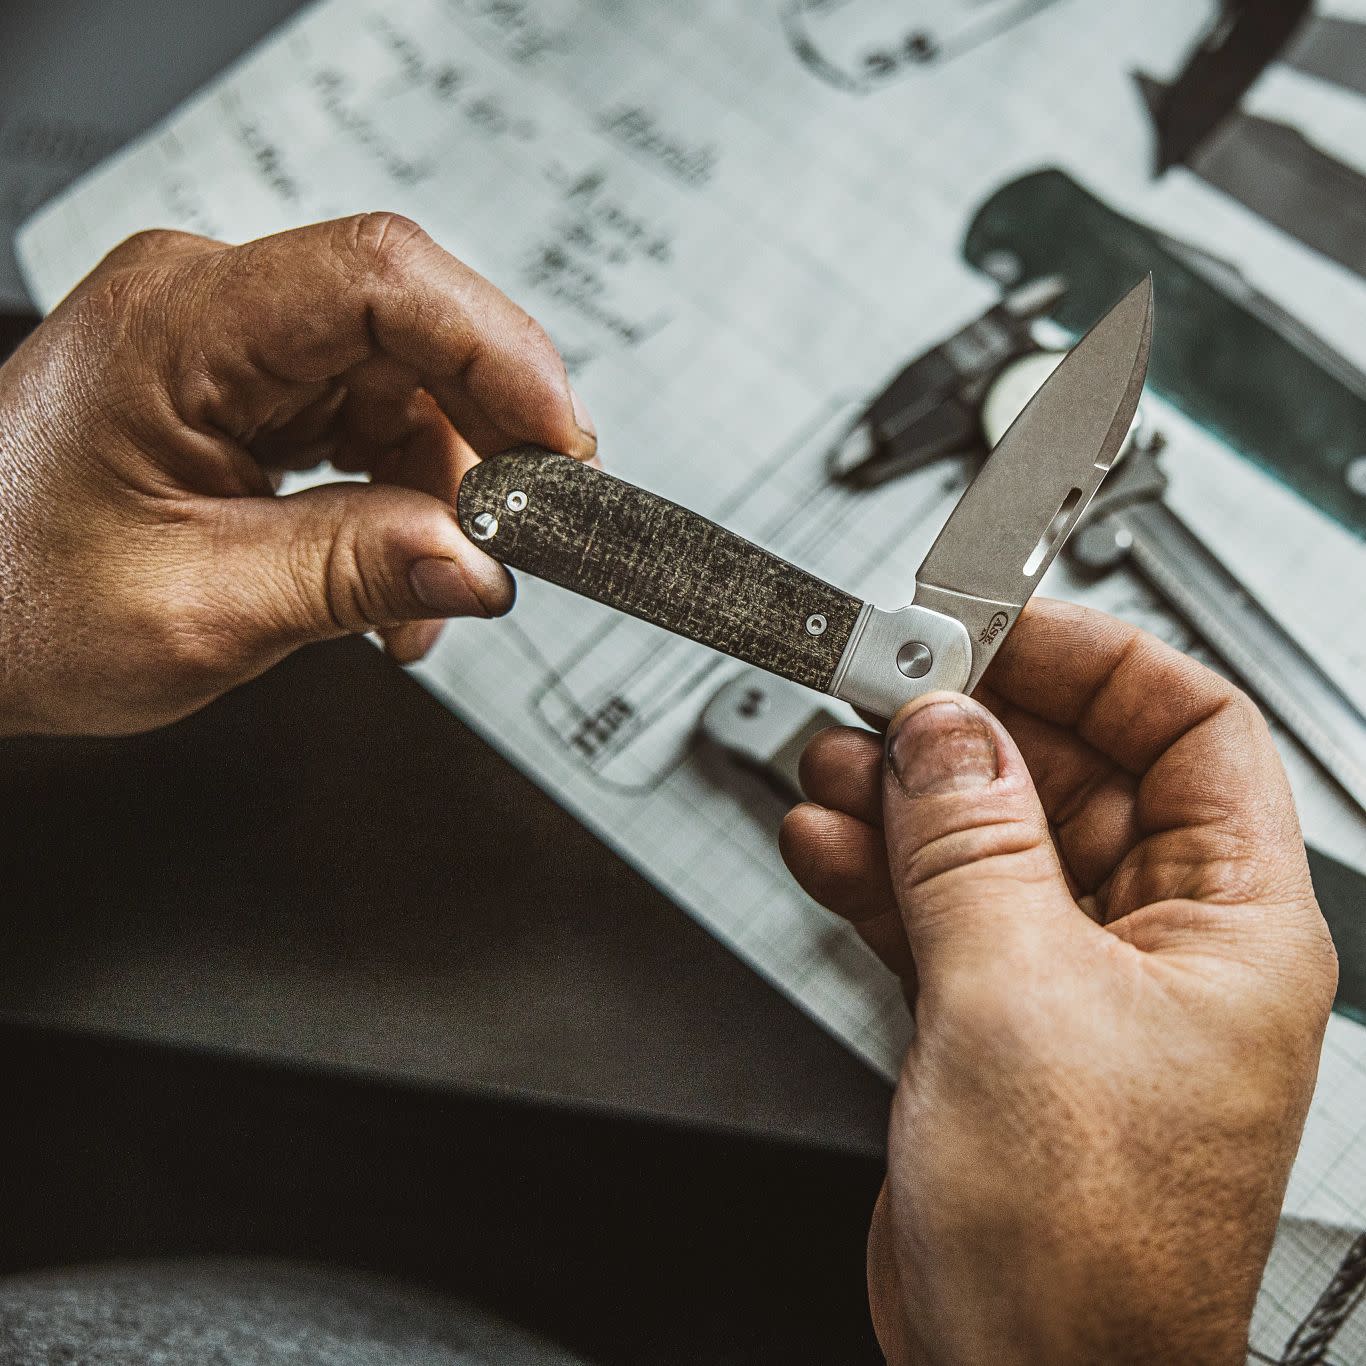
column 337, row 599
column 107, row 301
column 382, row 241
column 1246, row 713
column 349, row 596
column 536, row 339
column 989, row 842
column 116, row 343
column 142, row 245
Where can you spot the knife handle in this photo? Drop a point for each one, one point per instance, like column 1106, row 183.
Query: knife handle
column 618, row 544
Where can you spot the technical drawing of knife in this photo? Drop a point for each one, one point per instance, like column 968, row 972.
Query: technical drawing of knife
column 1274, row 170
column 632, row 550
column 1245, row 37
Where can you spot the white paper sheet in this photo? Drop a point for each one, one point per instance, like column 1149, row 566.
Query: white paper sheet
column 731, row 251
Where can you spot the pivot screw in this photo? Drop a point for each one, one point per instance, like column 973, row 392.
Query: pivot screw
column 815, row 624
column 914, row 659
column 484, row 526
column 516, row 500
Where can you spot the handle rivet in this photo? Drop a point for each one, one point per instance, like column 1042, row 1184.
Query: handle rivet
column 815, row 624
column 516, row 500
column 914, row 659
column 483, row 527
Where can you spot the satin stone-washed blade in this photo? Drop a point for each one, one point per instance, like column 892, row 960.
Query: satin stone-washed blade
column 1018, row 511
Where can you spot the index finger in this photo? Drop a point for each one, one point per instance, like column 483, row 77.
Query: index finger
column 307, row 305
column 1123, row 691
column 1206, row 763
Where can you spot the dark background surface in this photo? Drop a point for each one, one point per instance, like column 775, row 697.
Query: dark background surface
column 326, row 867
column 316, row 973
column 632, row 1243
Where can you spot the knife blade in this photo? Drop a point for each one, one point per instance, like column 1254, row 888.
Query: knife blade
column 1042, row 473
column 632, row 550
column 1010, row 523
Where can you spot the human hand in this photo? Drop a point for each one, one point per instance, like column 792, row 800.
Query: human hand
column 1096, row 894
column 146, row 564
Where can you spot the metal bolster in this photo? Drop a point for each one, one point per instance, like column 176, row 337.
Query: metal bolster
column 869, row 675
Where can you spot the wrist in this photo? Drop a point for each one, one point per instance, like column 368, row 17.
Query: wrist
column 1169, row 1328
column 1094, row 1332
column 1022, row 1293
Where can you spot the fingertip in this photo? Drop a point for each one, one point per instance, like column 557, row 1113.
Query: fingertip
column 794, row 832
column 837, row 860
column 504, row 597
column 490, row 582
column 840, row 768
column 927, row 700
column 942, row 744
column 807, row 831
column 451, row 577
column 946, row 722
column 811, row 763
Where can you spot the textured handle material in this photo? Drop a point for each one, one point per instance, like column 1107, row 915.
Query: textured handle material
column 637, row 552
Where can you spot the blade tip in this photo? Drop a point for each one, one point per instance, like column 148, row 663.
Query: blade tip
column 1142, row 294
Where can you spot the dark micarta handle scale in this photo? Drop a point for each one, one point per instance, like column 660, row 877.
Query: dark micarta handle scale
column 639, row 553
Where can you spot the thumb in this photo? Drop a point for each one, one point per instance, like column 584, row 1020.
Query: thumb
column 344, row 558
column 967, row 840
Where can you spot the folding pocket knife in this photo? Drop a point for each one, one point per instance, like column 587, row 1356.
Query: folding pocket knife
column 621, row 545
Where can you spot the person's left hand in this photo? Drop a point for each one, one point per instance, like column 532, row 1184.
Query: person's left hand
column 147, row 566
column 1096, row 896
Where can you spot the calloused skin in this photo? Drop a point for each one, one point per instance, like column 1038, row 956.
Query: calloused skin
column 1093, row 885
column 1095, row 893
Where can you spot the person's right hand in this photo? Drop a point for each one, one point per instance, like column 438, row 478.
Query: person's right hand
column 145, row 563
column 1097, row 897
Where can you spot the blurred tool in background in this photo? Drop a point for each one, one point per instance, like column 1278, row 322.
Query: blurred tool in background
column 1268, row 166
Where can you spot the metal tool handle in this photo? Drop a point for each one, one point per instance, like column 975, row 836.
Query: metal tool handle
column 1275, row 669
column 637, row 552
